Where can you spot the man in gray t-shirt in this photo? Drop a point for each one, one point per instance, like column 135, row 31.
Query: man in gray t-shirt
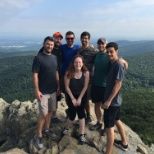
column 113, row 100
column 46, row 85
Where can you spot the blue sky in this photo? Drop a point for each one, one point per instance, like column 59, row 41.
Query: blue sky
column 113, row 19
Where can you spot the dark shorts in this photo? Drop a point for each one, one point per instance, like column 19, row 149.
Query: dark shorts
column 97, row 94
column 111, row 115
column 77, row 110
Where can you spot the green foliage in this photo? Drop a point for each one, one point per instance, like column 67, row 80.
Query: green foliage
column 137, row 113
column 140, row 72
column 16, row 78
column 138, row 88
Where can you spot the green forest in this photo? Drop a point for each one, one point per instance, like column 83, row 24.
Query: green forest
column 138, row 88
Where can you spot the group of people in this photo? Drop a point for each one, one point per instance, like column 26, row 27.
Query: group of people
column 81, row 73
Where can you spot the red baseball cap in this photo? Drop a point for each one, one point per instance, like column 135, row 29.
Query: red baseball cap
column 57, row 34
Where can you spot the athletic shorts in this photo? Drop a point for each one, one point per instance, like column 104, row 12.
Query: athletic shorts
column 89, row 92
column 47, row 103
column 111, row 115
column 97, row 94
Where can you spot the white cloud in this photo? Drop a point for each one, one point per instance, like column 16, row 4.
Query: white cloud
column 9, row 7
column 121, row 7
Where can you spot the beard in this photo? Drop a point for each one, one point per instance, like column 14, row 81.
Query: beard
column 47, row 50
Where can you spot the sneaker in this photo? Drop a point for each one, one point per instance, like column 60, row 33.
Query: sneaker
column 88, row 119
column 49, row 134
column 120, row 145
column 38, row 142
column 55, row 120
column 96, row 127
column 82, row 139
column 64, row 131
column 103, row 132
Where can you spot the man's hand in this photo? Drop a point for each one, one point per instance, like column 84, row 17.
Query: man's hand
column 106, row 105
column 38, row 95
column 58, row 91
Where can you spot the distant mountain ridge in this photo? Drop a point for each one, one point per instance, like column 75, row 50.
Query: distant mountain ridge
column 126, row 48
column 122, row 43
column 134, row 48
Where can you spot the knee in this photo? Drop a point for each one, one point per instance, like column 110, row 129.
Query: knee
column 42, row 116
column 81, row 115
column 72, row 116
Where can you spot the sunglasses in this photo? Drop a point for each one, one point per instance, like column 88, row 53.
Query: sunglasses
column 70, row 38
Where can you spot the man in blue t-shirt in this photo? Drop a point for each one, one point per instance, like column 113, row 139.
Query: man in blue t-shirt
column 113, row 100
column 68, row 51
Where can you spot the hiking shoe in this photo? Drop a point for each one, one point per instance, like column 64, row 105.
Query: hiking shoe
column 55, row 120
column 82, row 139
column 120, row 145
column 88, row 119
column 96, row 126
column 103, row 132
column 64, row 131
column 38, row 142
column 49, row 134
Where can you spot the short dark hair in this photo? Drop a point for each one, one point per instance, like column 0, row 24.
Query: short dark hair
column 112, row 44
column 49, row 38
column 85, row 34
column 70, row 33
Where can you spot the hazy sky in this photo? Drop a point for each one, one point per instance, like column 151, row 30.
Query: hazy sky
column 114, row 19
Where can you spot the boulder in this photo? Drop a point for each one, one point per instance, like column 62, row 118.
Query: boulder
column 18, row 126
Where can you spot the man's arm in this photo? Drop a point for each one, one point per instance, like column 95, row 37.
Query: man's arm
column 38, row 94
column 114, row 92
column 124, row 62
column 58, row 84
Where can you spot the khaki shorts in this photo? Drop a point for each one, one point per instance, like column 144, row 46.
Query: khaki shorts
column 47, row 103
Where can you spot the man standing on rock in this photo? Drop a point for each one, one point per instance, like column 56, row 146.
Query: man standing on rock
column 46, row 85
column 57, row 36
column 89, row 53
column 113, row 100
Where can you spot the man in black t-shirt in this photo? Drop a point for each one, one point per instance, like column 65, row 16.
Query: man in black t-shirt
column 46, row 85
column 57, row 36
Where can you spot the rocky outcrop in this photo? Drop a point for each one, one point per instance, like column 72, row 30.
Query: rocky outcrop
column 18, row 126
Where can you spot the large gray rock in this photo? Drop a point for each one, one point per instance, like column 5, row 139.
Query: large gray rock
column 19, row 126
column 3, row 115
column 14, row 151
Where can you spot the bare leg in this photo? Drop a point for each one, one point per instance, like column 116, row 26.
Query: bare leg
column 68, row 123
column 54, row 113
column 87, row 107
column 40, row 124
column 121, row 131
column 110, row 140
column 48, row 120
column 98, row 112
column 81, row 125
